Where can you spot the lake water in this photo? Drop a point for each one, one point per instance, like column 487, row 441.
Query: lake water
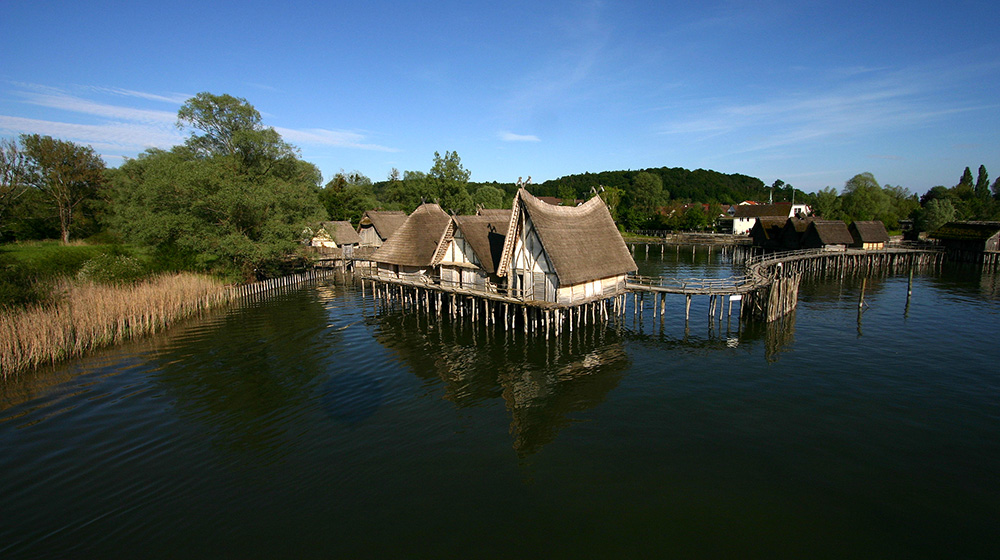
column 312, row 424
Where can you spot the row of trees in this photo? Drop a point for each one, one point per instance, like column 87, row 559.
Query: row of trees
column 235, row 196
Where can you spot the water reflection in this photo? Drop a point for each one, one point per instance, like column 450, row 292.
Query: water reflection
column 542, row 382
column 245, row 372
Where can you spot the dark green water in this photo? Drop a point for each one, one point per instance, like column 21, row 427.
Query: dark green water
column 308, row 424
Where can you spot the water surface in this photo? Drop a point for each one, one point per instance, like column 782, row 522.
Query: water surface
column 315, row 423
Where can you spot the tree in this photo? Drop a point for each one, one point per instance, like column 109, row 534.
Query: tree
column 864, row 199
column 612, row 196
column 827, row 204
column 964, row 188
column 996, row 189
column 488, row 196
column 647, row 191
column 231, row 127
column 983, row 183
column 451, row 180
column 66, row 173
column 935, row 214
column 234, row 199
column 13, row 168
column 348, row 196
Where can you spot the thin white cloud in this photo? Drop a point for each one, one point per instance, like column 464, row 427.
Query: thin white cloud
column 108, row 137
column 322, row 137
column 75, row 104
column 511, row 137
column 174, row 98
column 890, row 101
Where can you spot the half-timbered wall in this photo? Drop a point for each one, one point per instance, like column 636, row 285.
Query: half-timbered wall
column 533, row 274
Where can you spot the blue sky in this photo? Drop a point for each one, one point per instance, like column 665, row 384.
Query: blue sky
column 808, row 92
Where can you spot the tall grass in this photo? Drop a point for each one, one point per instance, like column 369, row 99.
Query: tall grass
column 86, row 316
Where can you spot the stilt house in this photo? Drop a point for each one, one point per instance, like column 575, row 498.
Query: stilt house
column 471, row 249
column 766, row 232
column 410, row 252
column 869, row 234
column 338, row 235
column 378, row 225
column 563, row 254
column 969, row 236
column 829, row 235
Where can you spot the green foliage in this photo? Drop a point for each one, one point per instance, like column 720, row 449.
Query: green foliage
column 348, row 196
column 112, row 268
column 19, row 284
column 968, row 202
column 982, row 188
column 488, row 196
column 232, row 200
column 67, row 175
column 935, row 214
column 450, row 179
column 827, row 204
column 646, row 194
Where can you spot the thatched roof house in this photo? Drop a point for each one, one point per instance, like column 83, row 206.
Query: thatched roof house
column 831, row 235
column 335, row 234
column 869, row 234
column 746, row 215
column 766, row 232
column 792, row 232
column 471, row 249
column 969, row 236
column 378, row 225
column 410, row 251
column 564, row 254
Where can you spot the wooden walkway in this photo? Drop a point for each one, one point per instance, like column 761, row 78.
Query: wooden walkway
column 770, row 286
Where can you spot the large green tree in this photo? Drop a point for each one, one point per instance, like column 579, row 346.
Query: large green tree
column 234, row 198
column 983, row 183
column 67, row 174
column 647, row 193
column 452, row 180
column 348, row 196
column 864, row 199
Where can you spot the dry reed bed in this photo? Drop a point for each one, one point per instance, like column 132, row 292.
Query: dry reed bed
column 89, row 316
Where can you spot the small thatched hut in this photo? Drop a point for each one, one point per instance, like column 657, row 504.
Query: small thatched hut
column 378, row 225
column 339, row 235
column 409, row 253
column 969, row 237
column 829, row 235
column 766, row 232
column 563, row 254
column 869, row 234
column 470, row 252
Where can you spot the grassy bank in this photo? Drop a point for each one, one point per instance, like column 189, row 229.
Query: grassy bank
column 80, row 316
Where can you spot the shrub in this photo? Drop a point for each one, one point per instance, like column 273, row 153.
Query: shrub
column 112, row 268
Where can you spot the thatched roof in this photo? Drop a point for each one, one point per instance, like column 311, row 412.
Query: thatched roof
column 966, row 231
column 416, row 241
column 830, row 232
column 868, row 232
column 582, row 242
column 771, row 226
column 782, row 209
column 341, row 233
column 494, row 212
column 486, row 234
column 385, row 222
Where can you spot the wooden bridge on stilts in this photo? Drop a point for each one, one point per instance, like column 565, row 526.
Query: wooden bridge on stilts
column 769, row 288
column 767, row 291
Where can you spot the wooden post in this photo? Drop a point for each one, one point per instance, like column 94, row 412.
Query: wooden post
column 687, row 309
